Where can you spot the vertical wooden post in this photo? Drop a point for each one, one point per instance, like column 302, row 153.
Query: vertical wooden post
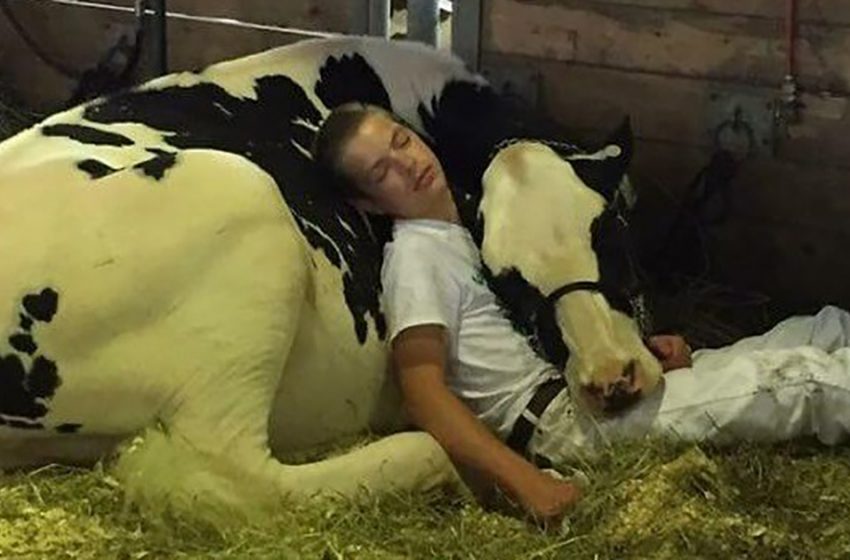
column 423, row 21
column 379, row 18
column 159, row 28
column 466, row 31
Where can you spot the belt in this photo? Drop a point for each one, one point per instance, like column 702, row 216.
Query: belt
column 523, row 427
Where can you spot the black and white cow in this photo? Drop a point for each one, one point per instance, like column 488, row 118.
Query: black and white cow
column 174, row 268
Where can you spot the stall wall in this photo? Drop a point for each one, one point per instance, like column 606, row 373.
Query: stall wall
column 77, row 36
column 679, row 68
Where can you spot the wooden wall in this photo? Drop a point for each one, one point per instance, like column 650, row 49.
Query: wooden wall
column 667, row 63
column 78, row 36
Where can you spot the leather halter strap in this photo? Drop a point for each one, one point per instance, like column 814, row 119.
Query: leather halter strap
column 581, row 285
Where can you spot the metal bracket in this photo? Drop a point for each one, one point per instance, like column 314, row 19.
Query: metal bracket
column 742, row 121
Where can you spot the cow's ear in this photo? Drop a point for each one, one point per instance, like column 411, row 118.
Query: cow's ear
column 349, row 78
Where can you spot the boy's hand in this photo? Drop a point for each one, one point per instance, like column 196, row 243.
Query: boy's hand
column 671, row 350
column 547, row 499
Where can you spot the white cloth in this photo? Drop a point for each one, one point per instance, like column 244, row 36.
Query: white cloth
column 792, row 381
column 432, row 275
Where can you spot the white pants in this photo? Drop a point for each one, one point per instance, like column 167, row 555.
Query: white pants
column 792, row 381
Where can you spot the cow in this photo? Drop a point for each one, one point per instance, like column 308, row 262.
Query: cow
column 178, row 277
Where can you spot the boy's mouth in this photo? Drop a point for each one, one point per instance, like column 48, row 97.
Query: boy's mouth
column 425, row 178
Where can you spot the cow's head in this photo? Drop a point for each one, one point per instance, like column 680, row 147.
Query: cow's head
column 546, row 224
column 553, row 244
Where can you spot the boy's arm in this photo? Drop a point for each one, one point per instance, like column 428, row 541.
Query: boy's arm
column 419, row 359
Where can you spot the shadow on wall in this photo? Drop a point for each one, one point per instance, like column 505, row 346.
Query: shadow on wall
column 14, row 114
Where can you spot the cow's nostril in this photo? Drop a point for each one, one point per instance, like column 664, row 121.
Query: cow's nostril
column 621, row 397
column 630, row 371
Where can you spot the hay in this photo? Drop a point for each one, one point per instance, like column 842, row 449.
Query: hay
column 648, row 500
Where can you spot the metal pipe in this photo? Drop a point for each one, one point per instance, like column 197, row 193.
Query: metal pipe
column 791, row 37
column 790, row 88
column 423, row 21
column 466, row 31
column 379, row 18
column 358, row 17
column 159, row 36
column 203, row 19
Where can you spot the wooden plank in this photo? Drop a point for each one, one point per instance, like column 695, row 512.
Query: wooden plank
column 78, row 36
column 690, row 44
column 809, row 11
column 792, row 264
column 810, row 196
column 675, row 109
column 321, row 15
column 787, row 233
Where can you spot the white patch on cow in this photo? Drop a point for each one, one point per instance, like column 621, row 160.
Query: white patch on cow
column 543, row 212
column 609, row 151
column 345, row 226
column 181, row 79
column 304, row 152
column 306, row 124
column 318, row 231
column 222, row 108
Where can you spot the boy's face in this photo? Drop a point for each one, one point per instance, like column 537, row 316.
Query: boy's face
column 395, row 171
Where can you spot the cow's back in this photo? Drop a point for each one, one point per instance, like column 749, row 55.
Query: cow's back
column 158, row 239
column 102, row 292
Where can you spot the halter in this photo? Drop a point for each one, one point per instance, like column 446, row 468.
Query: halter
column 633, row 294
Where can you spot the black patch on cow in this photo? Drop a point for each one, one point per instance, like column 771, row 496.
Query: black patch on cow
column 43, row 378
column 86, row 135
column 530, row 314
column 275, row 130
column 68, row 428
column 95, row 169
column 28, row 384
column 23, row 342
column 41, row 306
column 157, row 165
column 350, row 78
column 617, row 274
column 25, row 322
column 15, row 397
column 465, row 124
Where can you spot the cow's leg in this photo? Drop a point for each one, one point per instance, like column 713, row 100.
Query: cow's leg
column 235, row 326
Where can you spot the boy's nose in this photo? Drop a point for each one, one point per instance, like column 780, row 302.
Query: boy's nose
column 411, row 166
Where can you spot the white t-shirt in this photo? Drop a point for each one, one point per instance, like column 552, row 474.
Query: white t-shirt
column 432, row 276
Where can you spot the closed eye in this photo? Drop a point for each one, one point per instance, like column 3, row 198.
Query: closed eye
column 379, row 171
column 401, row 138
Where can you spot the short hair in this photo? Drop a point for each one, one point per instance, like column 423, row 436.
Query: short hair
column 338, row 128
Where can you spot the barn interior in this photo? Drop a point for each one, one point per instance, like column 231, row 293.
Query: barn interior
column 741, row 119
